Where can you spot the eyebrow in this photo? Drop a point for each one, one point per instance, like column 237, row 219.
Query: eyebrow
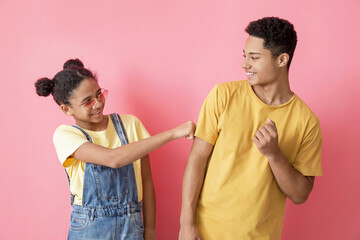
column 89, row 97
column 251, row 53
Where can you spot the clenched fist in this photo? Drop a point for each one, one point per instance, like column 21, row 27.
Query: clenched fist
column 266, row 139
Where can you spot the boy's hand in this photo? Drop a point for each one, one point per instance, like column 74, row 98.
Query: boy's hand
column 189, row 233
column 266, row 139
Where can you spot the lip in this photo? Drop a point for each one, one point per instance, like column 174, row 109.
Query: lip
column 251, row 76
column 97, row 113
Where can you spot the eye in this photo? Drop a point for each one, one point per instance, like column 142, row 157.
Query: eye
column 88, row 102
column 254, row 58
column 99, row 95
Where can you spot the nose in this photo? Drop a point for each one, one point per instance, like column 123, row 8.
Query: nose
column 245, row 64
column 96, row 102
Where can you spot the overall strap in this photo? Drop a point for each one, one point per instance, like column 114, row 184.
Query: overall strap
column 85, row 133
column 129, row 182
column 119, row 128
column 67, row 175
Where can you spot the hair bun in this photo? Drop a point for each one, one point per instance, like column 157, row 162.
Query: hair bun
column 73, row 63
column 44, row 86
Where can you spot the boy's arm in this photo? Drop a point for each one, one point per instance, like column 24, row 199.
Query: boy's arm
column 192, row 184
column 149, row 202
column 294, row 185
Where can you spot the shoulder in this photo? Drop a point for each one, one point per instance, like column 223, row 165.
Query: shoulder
column 129, row 119
column 225, row 90
column 64, row 131
column 306, row 114
column 231, row 86
column 134, row 127
column 223, row 93
column 305, row 109
column 66, row 140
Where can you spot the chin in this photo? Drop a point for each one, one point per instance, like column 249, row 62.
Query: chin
column 252, row 82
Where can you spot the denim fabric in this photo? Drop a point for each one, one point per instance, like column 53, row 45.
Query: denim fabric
column 106, row 223
column 110, row 207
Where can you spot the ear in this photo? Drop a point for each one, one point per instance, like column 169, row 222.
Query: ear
column 66, row 109
column 283, row 59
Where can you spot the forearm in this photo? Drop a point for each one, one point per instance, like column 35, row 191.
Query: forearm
column 294, row 185
column 124, row 155
column 192, row 183
column 129, row 153
column 149, row 202
column 149, row 206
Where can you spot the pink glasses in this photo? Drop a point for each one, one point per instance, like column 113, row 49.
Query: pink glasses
column 89, row 104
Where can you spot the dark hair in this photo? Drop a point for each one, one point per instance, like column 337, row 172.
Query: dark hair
column 64, row 82
column 279, row 35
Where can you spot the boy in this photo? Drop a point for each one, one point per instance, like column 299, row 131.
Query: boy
column 256, row 144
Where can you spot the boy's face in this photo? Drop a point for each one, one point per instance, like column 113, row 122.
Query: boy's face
column 260, row 67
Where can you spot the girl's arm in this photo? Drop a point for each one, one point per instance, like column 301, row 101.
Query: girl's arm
column 149, row 202
column 124, row 155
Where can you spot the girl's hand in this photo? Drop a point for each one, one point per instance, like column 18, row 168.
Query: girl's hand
column 184, row 130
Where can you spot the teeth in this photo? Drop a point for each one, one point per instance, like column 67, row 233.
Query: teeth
column 249, row 74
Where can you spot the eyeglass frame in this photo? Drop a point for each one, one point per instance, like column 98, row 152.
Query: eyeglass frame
column 97, row 98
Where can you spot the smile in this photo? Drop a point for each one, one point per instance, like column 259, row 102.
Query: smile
column 96, row 113
column 250, row 74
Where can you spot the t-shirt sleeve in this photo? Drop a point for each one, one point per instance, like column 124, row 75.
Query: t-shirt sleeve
column 67, row 140
column 134, row 128
column 141, row 131
column 308, row 158
column 208, row 121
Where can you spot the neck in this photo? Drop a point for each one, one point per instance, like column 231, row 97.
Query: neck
column 275, row 93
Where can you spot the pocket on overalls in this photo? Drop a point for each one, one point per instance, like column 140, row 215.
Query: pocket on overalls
column 110, row 181
column 78, row 222
column 137, row 220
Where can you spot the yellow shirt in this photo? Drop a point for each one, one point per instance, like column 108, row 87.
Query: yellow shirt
column 67, row 139
column 240, row 198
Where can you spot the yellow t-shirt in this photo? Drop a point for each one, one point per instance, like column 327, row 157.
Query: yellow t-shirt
column 240, row 198
column 67, row 139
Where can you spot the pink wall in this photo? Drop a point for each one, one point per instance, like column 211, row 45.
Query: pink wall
column 159, row 59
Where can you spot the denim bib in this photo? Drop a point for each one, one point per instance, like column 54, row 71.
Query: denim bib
column 108, row 193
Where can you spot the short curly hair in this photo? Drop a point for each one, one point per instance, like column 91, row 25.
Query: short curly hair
column 279, row 35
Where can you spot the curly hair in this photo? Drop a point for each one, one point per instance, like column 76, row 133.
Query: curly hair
column 64, row 82
column 279, row 35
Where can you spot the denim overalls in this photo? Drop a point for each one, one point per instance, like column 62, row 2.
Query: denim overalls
column 110, row 207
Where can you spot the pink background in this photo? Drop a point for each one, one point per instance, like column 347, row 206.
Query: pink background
column 159, row 59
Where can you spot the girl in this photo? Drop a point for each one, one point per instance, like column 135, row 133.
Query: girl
column 106, row 159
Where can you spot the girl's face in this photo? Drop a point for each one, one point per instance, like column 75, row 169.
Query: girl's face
column 87, row 103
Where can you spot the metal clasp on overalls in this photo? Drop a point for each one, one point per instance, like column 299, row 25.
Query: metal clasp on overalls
column 128, row 206
column 92, row 214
